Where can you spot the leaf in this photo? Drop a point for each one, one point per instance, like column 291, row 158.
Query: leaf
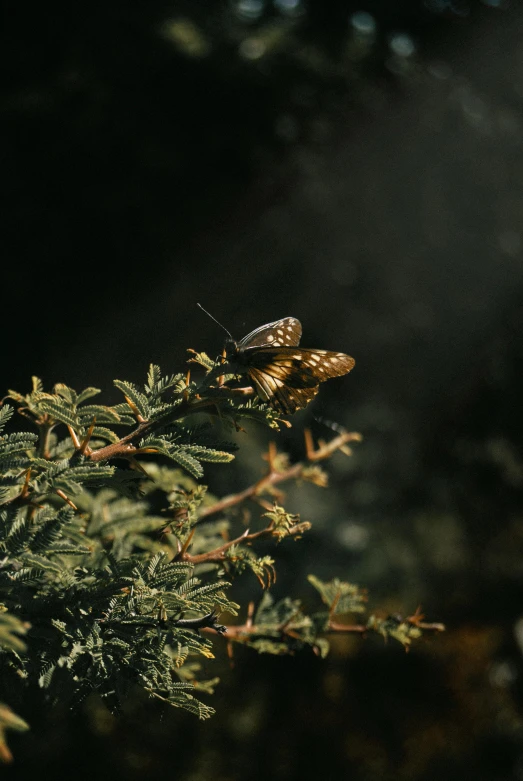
column 208, row 454
column 339, row 596
column 9, row 720
column 105, row 433
column 137, row 398
column 87, row 393
column 37, row 383
column 402, row 631
column 12, row 394
column 59, row 412
column 89, row 473
column 187, row 461
column 16, row 443
column 50, row 531
column 10, row 627
column 154, row 376
column 157, row 385
column 6, row 412
column 323, row 647
column 100, row 412
column 203, row 359
column 40, row 562
column 63, row 549
column 66, row 393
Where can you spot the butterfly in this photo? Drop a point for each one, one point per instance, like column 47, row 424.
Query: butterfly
column 284, row 375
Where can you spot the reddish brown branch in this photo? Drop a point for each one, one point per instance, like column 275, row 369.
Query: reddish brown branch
column 275, row 477
column 125, row 447
column 334, row 626
column 239, row 631
column 218, row 554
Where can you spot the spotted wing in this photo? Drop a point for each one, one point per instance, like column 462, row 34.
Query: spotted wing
column 297, row 367
column 286, row 331
column 282, row 397
column 288, row 378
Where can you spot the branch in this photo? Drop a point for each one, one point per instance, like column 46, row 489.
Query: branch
column 274, row 477
column 208, row 621
column 334, row 626
column 219, row 554
column 125, row 447
column 241, row 632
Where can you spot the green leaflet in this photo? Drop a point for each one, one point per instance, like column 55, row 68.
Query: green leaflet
column 10, row 629
column 340, row 597
column 137, row 398
column 189, row 463
column 6, row 412
column 59, row 411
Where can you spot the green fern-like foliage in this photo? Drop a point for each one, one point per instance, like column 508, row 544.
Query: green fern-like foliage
column 115, row 562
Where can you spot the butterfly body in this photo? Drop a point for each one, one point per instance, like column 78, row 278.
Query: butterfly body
column 283, row 374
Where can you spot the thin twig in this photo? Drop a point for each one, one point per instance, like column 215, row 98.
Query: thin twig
column 218, row 554
column 334, row 626
column 274, row 477
column 43, row 443
column 84, row 447
column 240, row 631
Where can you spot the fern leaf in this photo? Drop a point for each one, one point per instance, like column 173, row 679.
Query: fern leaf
column 208, row 454
column 204, row 360
column 171, row 575
column 105, row 434
column 66, row 393
column 51, row 530
column 339, row 596
column 27, row 575
column 98, row 411
column 45, row 678
column 87, row 393
column 154, row 376
column 37, row 384
column 6, row 412
column 154, row 564
column 136, row 397
column 187, row 461
column 10, row 628
column 62, row 549
column 40, row 562
column 16, row 443
column 59, row 412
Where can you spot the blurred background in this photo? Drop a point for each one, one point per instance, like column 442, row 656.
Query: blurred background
column 358, row 166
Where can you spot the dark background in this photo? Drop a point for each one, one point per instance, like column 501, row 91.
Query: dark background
column 360, row 173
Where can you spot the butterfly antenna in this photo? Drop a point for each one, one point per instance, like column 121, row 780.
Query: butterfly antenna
column 215, row 320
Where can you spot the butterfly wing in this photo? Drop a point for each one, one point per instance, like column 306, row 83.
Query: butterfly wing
column 286, row 331
column 298, row 367
column 288, row 378
column 281, row 396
